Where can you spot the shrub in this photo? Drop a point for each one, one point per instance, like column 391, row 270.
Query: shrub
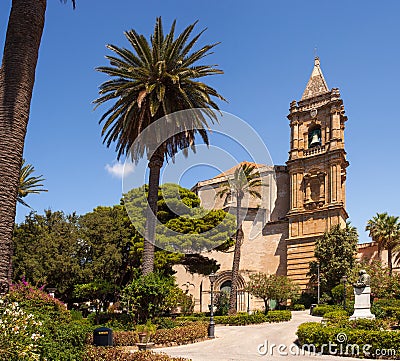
column 117, row 321
column 222, row 303
column 317, row 334
column 149, row 295
column 336, row 315
column 125, row 338
column 76, row 315
column 34, row 300
column 20, row 334
column 114, row 354
column 392, row 312
column 62, row 339
column 320, row 310
column 181, row 335
column 298, row 307
column 176, row 336
column 279, row 316
column 64, row 342
column 165, row 322
column 241, row 319
column 387, row 302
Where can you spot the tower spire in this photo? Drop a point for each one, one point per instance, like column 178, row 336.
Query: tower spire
column 316, row 84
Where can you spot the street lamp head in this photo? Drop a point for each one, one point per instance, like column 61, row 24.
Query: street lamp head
column 212, row 277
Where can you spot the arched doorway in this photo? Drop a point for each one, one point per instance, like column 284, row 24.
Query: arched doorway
column 224, row 284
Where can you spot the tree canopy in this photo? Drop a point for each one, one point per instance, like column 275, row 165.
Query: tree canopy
column 272, row 287
column 335, row 252
column 97, row 254
column 183, row 226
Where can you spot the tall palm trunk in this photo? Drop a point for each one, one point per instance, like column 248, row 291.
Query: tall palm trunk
column 380, row 251
column 390, row 256
column 236, row 259
column 17, row 76
column 155, row 165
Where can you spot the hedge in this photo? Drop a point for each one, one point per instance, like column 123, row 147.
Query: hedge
column 336, row 315
column 242, row 319
column 298, row 307
column 320, row 310
column 93, row 353
column 314, row 333
column 192, row 332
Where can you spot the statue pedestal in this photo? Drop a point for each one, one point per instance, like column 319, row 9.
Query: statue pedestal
column 362, row 305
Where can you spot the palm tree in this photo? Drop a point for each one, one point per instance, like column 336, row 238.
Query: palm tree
column 245, row 180
column 153, row 80
column 391, row 230
column 17, row 76
column 385, row 230
column 375, row 228
column 28, row 184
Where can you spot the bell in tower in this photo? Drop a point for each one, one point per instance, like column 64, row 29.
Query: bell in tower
column 314, row 138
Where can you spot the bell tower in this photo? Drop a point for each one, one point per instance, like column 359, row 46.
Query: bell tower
column 317, row 169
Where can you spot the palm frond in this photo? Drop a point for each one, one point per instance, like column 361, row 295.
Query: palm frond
column 158, row 67
column 28, row 184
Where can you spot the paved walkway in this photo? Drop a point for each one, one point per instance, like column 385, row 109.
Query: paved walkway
column 240, row 343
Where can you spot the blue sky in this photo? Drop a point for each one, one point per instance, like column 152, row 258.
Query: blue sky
column 266, row 51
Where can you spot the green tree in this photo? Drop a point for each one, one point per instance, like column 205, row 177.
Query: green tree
column 17, row 77
column 28, row 184
column 193, row 229
column 335, row 253
column 272, row 287
column 109, row 245
column 147, row 294
column 99, row 292
column 246, row 180
column 46, row 252
column 157, row 78
column 78, row 254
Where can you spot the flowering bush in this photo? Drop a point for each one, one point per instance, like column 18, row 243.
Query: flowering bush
column 55, row 336
column 36, row 301
column 20, row 333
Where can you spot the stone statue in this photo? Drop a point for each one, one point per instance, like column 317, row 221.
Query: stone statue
column 364, row 280
column 362, row 294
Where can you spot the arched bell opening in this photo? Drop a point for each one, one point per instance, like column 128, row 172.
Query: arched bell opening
column 314, row 136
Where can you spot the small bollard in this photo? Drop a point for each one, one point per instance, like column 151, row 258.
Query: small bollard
column 103, row 336
column 312, row 308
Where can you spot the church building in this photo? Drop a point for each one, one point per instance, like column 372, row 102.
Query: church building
column 300, row 200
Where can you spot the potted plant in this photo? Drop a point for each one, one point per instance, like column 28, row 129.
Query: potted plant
column 145, row 332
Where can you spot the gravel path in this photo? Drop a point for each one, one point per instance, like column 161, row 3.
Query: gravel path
column 234, row 343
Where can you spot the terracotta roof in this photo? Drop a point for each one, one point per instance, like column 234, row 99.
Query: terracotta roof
column 316, row 84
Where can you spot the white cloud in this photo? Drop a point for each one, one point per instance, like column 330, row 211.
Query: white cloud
column 119, row 170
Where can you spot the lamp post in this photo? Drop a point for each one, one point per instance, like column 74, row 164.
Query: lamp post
column 211, row 326
column 344, row 280
column 319, row 285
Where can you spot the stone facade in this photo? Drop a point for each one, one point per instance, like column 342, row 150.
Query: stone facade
column 301, row 200
column 317, row 168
